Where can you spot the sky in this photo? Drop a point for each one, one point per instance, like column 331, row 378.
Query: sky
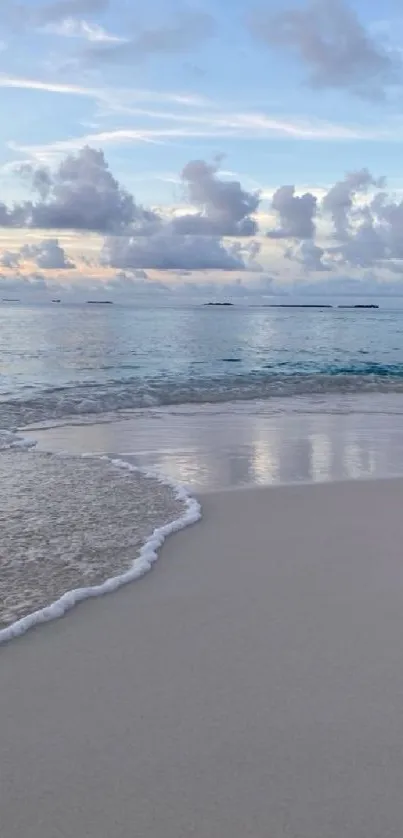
column 185, row 144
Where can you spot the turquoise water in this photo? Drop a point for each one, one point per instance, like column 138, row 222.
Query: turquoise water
column 68, row 361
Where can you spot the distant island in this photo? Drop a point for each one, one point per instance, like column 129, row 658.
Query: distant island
column 295, row 305
column 10, row 300
column 99, row 302
column 317, row 306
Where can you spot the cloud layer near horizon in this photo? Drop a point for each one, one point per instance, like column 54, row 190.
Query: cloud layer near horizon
column 356, row 224
column 81, row 194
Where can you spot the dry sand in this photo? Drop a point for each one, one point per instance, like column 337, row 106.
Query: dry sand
column 251, row 685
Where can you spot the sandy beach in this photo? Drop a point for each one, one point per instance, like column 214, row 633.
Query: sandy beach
column 250, row 685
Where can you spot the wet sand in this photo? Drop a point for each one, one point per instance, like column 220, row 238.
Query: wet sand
column 70, row 524
column 215, row 447
column 250, row 685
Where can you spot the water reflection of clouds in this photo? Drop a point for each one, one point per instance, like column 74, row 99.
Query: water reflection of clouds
column 219, row 448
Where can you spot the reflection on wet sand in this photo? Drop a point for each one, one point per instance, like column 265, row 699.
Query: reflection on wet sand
column 253, row 444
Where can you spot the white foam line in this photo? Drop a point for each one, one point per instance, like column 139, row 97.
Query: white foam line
column 10, row 440
column 141, row 565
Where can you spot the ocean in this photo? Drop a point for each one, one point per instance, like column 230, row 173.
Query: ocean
column 58, row 362
column 196, row 396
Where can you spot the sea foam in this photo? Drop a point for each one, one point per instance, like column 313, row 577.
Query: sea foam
column 141, row 563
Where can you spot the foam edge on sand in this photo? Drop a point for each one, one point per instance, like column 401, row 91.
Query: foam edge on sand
column 140, row 566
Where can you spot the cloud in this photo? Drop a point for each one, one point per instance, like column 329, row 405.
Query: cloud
column 375, row 240
column 73, row 28
column 192, row 116
column 21, row 284
column 367, row 222
column 225, row 207
column 166, row 250
column 230, row 126
column 22, row 14
column 190, row 30
column 386, row 218
column 364, row 248
column 347, row 287
column 124, row 287
column 60, row 9
column 50, row 86
column 333, row 44
column 119, row 99
column 296, row 214
column 339, row 200
column 81, row 194
column 10, row 259
column 367, row 228
column 48, row 255
column 250, row 252
column 310, row 256
column 194, row 241
column 253, row 291
column 135, row 283
column 212, row 122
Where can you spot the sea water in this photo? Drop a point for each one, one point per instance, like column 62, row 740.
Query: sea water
column 69, row 361
column 71, row 523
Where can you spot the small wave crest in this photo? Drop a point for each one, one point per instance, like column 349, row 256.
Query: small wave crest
column 10, row 440
column 94, row 399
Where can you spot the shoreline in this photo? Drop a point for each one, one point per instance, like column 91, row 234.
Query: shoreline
column 149, row 551
column 73, row 440
column 300, row 449
column 146, row 551
column 212, row 447
column 250, row 685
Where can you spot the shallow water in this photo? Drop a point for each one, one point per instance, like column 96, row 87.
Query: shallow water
column 70, row 522
column 238, row 444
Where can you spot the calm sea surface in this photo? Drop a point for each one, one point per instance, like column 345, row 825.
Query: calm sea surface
column 58, row 362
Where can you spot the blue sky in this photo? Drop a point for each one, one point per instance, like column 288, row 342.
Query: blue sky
column 230, row 71
column 156, row 85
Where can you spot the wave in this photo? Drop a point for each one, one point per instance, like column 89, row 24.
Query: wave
column 141, row 564
column 94, row 398
column 10, row 441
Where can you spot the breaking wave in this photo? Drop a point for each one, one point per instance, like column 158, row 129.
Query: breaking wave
column 117, row 396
